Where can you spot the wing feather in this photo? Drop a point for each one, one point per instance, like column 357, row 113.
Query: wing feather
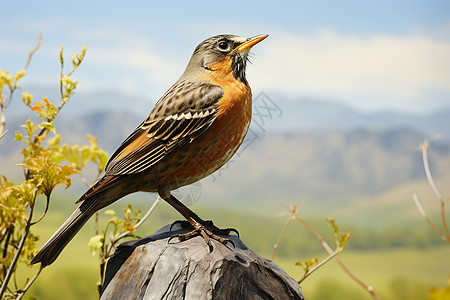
column 178, row 117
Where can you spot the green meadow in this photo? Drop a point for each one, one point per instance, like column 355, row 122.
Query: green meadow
column 399, row 263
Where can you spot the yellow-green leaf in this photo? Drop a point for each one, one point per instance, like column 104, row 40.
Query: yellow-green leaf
column 95, row 243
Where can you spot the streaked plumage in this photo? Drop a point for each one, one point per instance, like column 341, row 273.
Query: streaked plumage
column 194, row 129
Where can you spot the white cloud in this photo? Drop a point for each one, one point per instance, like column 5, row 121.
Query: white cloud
column 329, row 63
column 372, row 72
column 127, row 61
column 136, row 60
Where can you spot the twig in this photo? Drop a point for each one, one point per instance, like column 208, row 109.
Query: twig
column 145, row 217
column 25, row 289
column 4, row 103
column 316, row 234
column 446, row 237
column 2, row 116
column 114, row 239
column 341, row 264
column 281, row 235
column 368, row 288
column 30, row 55
column 96, row 223
column 444, row 221
column 61, row 85
column 10, row 231
column 330, row 257
column 424, row 215
column 424, row 148
column 18, row 251
column 84, row 181
column 3, row 134
column 293, row 209
column 45, row 211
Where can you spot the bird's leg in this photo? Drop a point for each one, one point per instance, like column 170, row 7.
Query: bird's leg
column 206, row 229
column 208, row 224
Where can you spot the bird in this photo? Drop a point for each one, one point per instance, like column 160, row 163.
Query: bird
column 192, row 131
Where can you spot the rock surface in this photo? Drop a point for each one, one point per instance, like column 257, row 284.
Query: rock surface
column 152, row 268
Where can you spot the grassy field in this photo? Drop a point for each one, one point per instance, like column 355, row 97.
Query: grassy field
column 395, row 273
column 395, row 270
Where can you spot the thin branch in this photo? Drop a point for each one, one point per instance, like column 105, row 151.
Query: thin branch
column 446, row 237
column 3, row 134
column 444, row 221
column 30, row 55
column 61, row 88
column 96, row 223
column 2, row 115
column 4, row 102
column 424, row 215
column 424, row 148
column 368, row 288
column 293, row 209
column 281, row 235
column 45, row 211
column 316, row 234
column 25, row 289
column 18, row 251
column 84, row 181
column 341, row 264
column 330, row 257
column 145, row 217
column 10, row 231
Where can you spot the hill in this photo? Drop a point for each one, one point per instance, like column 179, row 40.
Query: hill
column 320, row 164
column 289, row 113
column 324, row 153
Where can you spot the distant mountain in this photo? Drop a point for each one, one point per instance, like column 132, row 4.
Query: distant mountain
column 328, row 165
column 321, row 164
column 358, row 167
column 319, row 114
column 316, row 149
column 285, row 113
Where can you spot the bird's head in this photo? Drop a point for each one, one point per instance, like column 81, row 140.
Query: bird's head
column 222, row 55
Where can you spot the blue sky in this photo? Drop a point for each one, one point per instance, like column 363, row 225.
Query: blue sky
column 372, row 55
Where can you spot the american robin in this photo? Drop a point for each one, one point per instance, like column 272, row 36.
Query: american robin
column 193, row 130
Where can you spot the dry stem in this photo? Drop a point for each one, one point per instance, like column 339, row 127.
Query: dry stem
column 446, row 237
column 293, row 209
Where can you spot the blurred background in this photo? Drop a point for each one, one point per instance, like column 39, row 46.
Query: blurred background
column 344, row 94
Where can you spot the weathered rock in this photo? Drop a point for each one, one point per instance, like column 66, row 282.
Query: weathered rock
column 152, row 268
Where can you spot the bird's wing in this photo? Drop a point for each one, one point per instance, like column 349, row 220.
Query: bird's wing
column 184, row 112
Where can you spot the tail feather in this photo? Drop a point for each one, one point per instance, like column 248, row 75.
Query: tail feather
column 53, row 247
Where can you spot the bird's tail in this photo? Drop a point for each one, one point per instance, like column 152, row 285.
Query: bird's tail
column 51, row 250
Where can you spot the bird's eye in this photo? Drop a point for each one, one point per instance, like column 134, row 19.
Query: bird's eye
column 223, row 46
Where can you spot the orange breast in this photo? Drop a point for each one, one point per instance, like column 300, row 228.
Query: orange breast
column 211, row 150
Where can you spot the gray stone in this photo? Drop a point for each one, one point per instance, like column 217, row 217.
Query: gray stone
column 153, row 268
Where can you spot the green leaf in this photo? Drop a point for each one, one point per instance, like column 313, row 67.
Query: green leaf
column 95, row 243
column 307, row 264
column 341, row 240
column 344, row 239
column 54, row 141
column 18, row 136
column 47, row 125
column 111, row 212
column 27, row 98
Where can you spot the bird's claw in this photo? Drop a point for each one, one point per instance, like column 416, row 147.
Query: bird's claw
column 207, row 224
column 207, row 230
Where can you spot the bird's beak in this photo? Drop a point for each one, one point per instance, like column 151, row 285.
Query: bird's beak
column 250, row 43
